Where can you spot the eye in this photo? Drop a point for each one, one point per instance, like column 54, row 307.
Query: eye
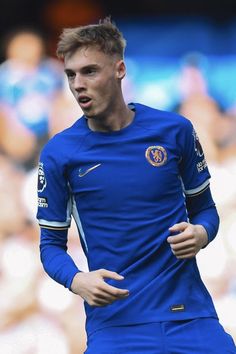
column 70, row 75
column 90, row 71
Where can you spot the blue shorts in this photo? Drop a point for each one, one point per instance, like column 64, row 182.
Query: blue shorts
column 197, row 336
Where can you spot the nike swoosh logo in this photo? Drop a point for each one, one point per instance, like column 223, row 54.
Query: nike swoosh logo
column 83, row 173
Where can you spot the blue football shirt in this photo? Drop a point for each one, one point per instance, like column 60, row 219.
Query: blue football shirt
column 125, row 189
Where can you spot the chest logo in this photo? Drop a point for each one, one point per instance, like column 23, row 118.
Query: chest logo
column 156, row 155
column 83, row 172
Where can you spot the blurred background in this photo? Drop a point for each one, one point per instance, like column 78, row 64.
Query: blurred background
column 181, row 56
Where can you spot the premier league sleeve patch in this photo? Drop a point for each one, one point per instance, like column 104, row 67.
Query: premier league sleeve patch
column 201, row 163
column 42, row 182
column 197, row 145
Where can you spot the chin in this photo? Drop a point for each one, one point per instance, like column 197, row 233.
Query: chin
column 90, row 115
column 93, row 115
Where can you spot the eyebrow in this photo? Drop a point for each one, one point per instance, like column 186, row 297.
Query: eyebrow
column 66, row 71
column 90, row 66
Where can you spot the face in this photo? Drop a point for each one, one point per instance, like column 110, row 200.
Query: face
column 95, row 80
column 26, row 48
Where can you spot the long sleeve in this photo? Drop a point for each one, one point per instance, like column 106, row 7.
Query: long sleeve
column 56, row 261
column 202, row 210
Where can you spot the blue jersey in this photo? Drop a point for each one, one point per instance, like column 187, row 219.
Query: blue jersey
column 125, row 189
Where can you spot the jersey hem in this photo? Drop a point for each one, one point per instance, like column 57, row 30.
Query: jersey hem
column 181, row 317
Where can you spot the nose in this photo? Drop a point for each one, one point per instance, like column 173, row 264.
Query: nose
column 79, row 83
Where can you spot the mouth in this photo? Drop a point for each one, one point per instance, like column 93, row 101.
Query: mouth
column 84, row 101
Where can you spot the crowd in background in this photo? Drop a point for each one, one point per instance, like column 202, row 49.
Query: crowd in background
column 37, row 315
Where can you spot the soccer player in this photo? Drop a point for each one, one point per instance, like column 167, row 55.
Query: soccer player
column 136, row 182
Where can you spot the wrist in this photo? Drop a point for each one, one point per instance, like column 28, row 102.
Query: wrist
column 74, row 284
column 203, row 236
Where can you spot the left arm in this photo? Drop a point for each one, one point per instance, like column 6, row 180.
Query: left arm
column 203, row 226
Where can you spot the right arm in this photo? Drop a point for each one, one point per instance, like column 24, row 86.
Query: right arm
column 53, row 254
column 54, row 216
column 58, row 264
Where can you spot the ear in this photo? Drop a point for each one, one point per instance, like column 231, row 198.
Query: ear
column 120, row 69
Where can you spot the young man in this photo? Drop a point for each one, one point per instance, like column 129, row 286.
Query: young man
column 137, row 184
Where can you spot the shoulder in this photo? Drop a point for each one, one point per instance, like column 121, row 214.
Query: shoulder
column 153, row 118
column 63, row 144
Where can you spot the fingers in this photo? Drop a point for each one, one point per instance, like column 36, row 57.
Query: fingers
column 184, row 251
column 184, row 244
column 185, row 255
column 183, row 232
column 114, row 292
column 109, row 274
column 102, row 293
column 182, row 237
column 105, row 295
column 102, row 301
column 111, row 290
column 180, row 227
column 101, row 298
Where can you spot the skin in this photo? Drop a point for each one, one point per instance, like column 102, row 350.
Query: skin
column 27, row 49
column 95, row 75
column 189, row 239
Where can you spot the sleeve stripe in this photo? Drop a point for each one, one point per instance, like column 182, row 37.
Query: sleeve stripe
column 53, row 228
column 198, row 190
column 54, row 224
column 79, row 226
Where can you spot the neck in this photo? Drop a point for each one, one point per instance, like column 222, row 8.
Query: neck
column 117, row 119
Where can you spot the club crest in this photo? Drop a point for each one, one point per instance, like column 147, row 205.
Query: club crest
column 42, row 182
column 156, row 155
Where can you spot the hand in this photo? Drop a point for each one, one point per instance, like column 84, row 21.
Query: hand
column 94, row 290
column 188, row 241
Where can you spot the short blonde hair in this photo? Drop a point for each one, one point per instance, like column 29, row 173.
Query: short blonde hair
column 105, row 35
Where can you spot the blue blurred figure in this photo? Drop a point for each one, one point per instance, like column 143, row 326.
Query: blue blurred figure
column 29, row 80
